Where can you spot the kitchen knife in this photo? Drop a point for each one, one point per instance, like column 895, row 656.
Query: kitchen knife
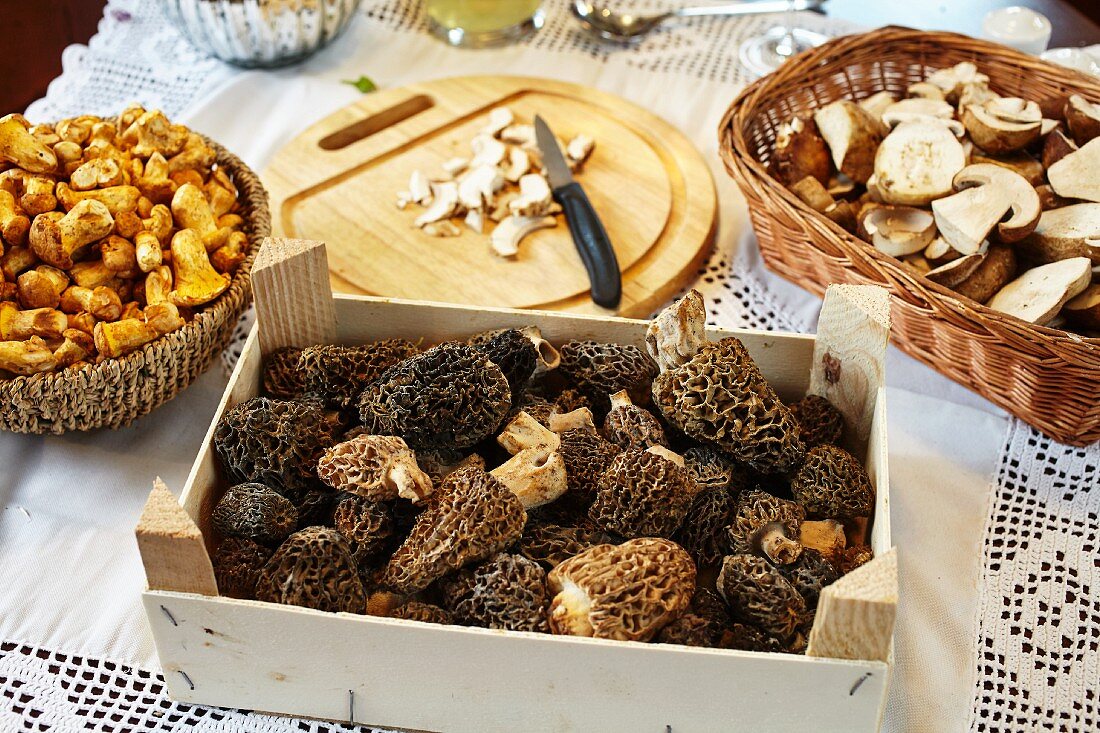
column 591, row 239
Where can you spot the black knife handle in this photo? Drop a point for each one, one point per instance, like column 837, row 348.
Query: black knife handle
column 592, row 242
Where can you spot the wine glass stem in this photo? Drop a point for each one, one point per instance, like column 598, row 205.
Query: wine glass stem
column 785, row 46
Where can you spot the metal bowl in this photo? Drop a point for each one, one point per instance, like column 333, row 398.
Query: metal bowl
column 261, row 33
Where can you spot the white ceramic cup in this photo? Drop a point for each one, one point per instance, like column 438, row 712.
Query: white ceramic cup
column 1018, row 27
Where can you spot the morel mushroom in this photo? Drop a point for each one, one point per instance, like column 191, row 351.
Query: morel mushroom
column 855, row 556
column 832, row 484
column 626, row 592
column 631, row 427
column 711, row 469
column 365, row 523
column 642, row 494
column 379, row 467
column 718, row 395
column 237, row 565
column 516, row 356
column 749, row 638
column 338, row 374
column 424, row 612
column 703, row 625
column 759, row 594
column 470, row 517
column 819, row 422
column 313, row 568
column 274, row 442
column 281, row 376
column 703, row 531
column 600, row 370
column 767, row 526
column 255, row 512
column 504, row 592
column 316, row 507
column 587, row 456
column 450, row 396
column 552, row 544
column 810, row 574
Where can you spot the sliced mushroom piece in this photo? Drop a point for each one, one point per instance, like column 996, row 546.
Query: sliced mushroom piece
column 442, row 228
column 454, row 166
column 877, row 103
column 475, row 219
column 478, row 186
column 1039, row 294
column 535, row 197
column 1084, row 310
column 1077, row 175
column 916, row 163
column 853, row 135
column 985, row 194
column 1057, row 146
column 536, row 475
column 1003, row 124
column 519, row 163
column 487, row 151
column 974, row 93
column 897, row 230
column 996, row 269
column 509, row 233
column 940, row 252
column 420, row 189
column 499, row 118
column 444, row 203
column 522, row 135
column 957, row 270
column 1018, row 162
column 578, row 149
column 812, row 193
column 800, row 151
column 1050, row 200
column 1083, row 118
column 1072, row 231
column 952, row 79
column 924, row 90
column 908, row 110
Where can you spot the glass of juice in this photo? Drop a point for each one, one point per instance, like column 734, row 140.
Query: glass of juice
column 481, row 23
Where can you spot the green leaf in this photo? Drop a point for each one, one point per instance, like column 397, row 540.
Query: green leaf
column 363, row 84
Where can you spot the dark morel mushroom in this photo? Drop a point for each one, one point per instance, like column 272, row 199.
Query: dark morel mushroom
column 281, row 376
column 629, row 426
column 703, row 625
column 749, row 638
column 768, row 526
column 832, row 484
column 712, row 469
column 450, row 396
column 255, row 512
column 758, row 594
column 274, row 442
column 470, row 517
column 551, row 544
column 504, row 592
column 313, row 568
column 642, row 494
column 587, row 456
column 419, row 611
column 820, row 423
column 365, row 523
column 337, row 374
column 703, row 531
column 514, row 354
column 600, row 370
column 237, row 564
column 810, row 574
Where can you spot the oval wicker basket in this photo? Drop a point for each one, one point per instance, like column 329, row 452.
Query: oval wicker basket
column 1047, row 377
column 116, row 392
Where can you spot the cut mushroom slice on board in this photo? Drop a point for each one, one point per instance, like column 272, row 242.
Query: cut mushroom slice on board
column 444, row 203
column 986, row 193
column 535, row 197
column 1084, row 310
column 1072, row 231
column 499, row 118
column 1003, row 124
column 1077, row 175
column 519, row 163
column 487, row 151
column 852, row 134
column 578, row 149
column 917, row 163
column 1083, row 118
column 506, row 237
column 478, row 186
column 1039, row 294
column 420, row 189
column 897, row 230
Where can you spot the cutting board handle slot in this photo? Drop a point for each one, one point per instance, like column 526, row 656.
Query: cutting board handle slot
column 377, row 122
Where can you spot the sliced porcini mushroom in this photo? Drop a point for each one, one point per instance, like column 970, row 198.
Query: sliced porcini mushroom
column 519, row 163
column 908, row 110
column 940, row 252
column 534, row 198
column 475, row 220
column 1018, row 162
column 1039, row 294
column 818, row 198
column 954, row 272
column 853, row 135
column 1084, row 309
column 1083, row 118
column 952, row 79
column 877, row 103
column 499, row 118
column 1050, row 200
column 800, row 151
column 974, row 93
column 1072, row 231
column 479, row 185
column 916, row 163
column 626, row 592
column 578, row 149
column 1003, row 124
column 379, row 467
column 444, row 203
column 443, row 228
column 897, row 230
column 986, row 193
column 1077, row 174
column 996, row 269
column 487, row 151
column 925, row 90
column 509, row 233
column 1057, row 146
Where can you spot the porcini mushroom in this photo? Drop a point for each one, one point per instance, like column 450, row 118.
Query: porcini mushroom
column 986, row 194
column 897, row 230
column 1055, row 147
column 1077, row 175
column 852, row 134
column 1003, row 124
column 1039, row 294
column 916, row 162
column 953, row 79
column 978, row 276
column 379, row 467
column 1084, row 309
column 800, row 151
column 1071, row 231
column 1083, row 118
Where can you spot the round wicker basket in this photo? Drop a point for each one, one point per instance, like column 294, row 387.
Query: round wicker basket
column 116, row 392
column 1047, row 377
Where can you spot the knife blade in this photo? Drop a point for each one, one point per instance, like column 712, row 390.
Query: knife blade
column 589, row 235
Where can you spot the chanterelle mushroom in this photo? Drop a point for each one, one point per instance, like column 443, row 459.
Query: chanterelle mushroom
column 379, row 467
column 759, row 594
column 504, row 592
column 642, row 494
column 254, row 512
column 719, row 396
column 313, row 568
column 19, row 146
column 470, row 517
column 450, row 396
column 986, row 195
column 768, row 526
column 625, row 592
column 832, row 484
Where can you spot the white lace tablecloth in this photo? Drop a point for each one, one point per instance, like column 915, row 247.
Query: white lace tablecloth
column 999, row 619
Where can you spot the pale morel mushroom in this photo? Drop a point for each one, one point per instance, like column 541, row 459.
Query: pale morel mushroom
column 313, row 568
column 378, row 467
column 626, row 592
column 767, row 526
column 471, row 517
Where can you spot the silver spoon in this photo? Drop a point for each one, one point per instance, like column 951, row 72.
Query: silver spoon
column 613, row 26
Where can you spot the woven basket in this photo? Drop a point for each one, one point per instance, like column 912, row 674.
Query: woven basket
column 116, row 392
column 1047, row 377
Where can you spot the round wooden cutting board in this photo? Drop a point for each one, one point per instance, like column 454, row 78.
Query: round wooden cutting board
column 338, row 182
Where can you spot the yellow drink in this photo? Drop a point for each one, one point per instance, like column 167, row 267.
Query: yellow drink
column 483, row 22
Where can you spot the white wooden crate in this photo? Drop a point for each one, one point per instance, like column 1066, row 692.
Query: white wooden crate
column 404, row 674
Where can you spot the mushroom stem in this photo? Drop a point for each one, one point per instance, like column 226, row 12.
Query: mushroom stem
column 620, row 399
column 525, row 431
column 678, row 332
column 773, row 542
column 580, row 418
column 535, row 475
column 411, row 483
column 548, row 356
column 669, row 455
